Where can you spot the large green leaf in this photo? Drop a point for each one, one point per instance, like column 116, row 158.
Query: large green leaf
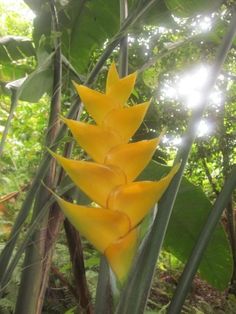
column 84, row 28
column 13, row 48
column 12, row 71
column 38, row 82
column 35, row 5
column 32, row 87
column 188, row 217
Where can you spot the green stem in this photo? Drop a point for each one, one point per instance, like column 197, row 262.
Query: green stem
column 123, row 56
column 232, row 236
column 78, row 268
column 104, row 299
column 33, row 272
column 191, row 267
column 134, row 296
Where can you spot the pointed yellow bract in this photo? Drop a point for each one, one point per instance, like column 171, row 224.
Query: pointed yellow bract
column 112, row 77
column 96, row 141
column 120, row 254
column 120, row 92
column 114, row 226
column 125, row 121
column 119, row 89
column 99, row 225
column 97, row 104
column 122, row 155
column 96, row 180
column 137, row 198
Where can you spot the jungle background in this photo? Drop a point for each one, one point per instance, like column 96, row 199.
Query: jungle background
column 171, row 47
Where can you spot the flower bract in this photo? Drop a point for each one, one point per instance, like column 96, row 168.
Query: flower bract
column 109, row 180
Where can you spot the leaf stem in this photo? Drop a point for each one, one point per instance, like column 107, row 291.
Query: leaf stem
column 123, row 56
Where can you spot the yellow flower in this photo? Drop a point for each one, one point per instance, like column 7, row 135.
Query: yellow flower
column 113, row 227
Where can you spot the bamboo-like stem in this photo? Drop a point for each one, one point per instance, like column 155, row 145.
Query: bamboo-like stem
column 43, row 167
column 104, row 298
column 54, row 222
column 191, row 267
column 77, row 259
column 139, row 282
column 123, row 55
column 33, row 270
column 232, row 236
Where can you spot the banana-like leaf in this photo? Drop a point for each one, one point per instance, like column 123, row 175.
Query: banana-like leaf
column 32, row 87
column 13, row 48
column 188, row 217
column 85, row 27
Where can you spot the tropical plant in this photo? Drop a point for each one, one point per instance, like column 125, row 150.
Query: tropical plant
column 72, row 40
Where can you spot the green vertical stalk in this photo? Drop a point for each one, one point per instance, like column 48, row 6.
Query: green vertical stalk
column 104, row 298
column 32, row 273
column 123, row 55
column 78, row 268
column 134, row 296
column 191, row 267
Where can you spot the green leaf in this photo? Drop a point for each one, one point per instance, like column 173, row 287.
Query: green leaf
column 33, row 87
column 15, row 48
column 188, row 217
column 187, row 8
column 84, row 28
column 34, row 5
column 159, row 15
column 11, row 71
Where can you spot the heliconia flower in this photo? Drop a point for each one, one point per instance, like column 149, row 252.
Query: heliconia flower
column 113, row 226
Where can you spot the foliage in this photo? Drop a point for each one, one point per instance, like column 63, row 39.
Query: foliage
column 189, row 214
column 166, row 43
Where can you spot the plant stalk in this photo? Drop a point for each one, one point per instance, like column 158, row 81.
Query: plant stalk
column 78, row 268
column 33, row 268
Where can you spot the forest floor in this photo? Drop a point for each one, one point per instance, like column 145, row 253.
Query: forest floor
column 202, row 299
